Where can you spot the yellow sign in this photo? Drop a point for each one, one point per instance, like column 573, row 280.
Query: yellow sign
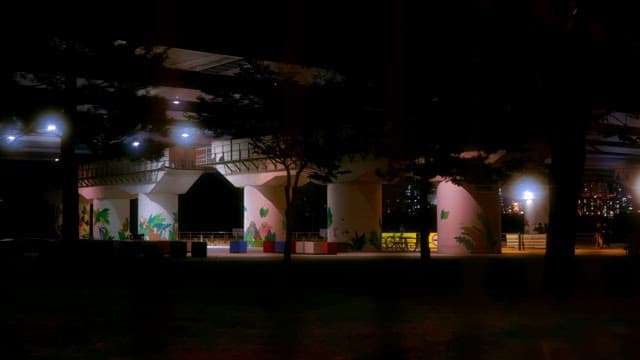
column 405, row 240
column 433, row 240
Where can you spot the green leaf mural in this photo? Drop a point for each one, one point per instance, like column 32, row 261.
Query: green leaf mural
column 84, row 214
column 477, row 238
column 264, row 212
column 84, row 222
column 101, row 216
column 174, row 227
column 251, row 231
column 155, row 220
column 154, row 227
column 101, row 219
column 466, row 242
column 358, row 241
column 444, row 215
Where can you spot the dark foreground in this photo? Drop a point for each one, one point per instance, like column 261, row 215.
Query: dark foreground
column 334, row 308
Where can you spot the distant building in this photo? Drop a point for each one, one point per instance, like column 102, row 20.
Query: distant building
column 604, row 199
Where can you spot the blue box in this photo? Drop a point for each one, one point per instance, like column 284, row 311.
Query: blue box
column 237, row 246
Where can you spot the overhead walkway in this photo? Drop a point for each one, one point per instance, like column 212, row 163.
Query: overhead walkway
column 108, row 188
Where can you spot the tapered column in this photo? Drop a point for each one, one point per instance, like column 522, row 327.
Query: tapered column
column 158, row 216
column 354, row 210
column 468, row 219
column 264, row 214
column 110, row 219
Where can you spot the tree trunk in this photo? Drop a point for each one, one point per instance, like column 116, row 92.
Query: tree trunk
column 70, row 197
column 570, row 112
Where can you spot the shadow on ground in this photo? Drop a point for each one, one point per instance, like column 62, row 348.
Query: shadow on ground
column 361, row 308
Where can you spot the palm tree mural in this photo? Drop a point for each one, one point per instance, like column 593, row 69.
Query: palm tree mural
column 124, row 231
column 101, row 220
column 154, row 227
column 477, row 238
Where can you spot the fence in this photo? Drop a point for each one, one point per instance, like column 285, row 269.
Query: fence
column 213, row 238
column 526, row 241
column 222, row 238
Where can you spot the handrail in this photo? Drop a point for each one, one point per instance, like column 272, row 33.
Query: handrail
column 210, row 237
column 308, row 236
column 225, row 151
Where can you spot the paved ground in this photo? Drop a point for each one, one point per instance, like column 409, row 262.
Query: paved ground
column 349, row 306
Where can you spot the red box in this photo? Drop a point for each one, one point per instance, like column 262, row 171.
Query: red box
column 330, row 248
column 268, row 246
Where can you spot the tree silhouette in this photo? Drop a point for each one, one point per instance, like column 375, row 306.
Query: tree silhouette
column 307, row 130
column 102, row 108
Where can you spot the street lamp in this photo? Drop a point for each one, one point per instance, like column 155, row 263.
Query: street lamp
column 528, row 197
column 184, row 133
column 51, row 123
column 11, row 131
column 38, row 140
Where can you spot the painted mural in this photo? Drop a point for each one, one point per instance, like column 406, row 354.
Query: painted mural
column 123, row 233
column 85, row 221
column 356, row 240
column 254, row 235
column 173, row 232
column 100, row 221
column 156, row 227
column 477, row 238
column 340, row 232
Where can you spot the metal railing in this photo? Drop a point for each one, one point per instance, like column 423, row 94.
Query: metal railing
column 220, row 152
column 308, row 236
column 213, row 238
column 222, row 238
column 124, row 171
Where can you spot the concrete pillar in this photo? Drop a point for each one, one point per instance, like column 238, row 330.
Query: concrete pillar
column 264, row 214
column 158, row 216
column 468, row 219
column 354, row 210
column 110, row 219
